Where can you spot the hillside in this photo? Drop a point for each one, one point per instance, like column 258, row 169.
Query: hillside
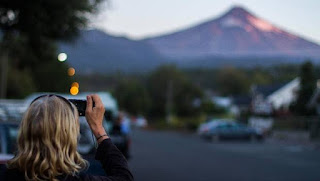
column 236, row 33
column 96, row 51
column 237, row 38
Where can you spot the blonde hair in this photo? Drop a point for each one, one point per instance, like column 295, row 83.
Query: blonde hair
column 47, row 140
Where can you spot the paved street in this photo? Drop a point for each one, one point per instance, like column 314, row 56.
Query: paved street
column 174, row 156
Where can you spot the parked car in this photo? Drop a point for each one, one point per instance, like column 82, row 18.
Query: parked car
column 11, row 111
column 140, row 122
column 8, row 137
column 227, row 129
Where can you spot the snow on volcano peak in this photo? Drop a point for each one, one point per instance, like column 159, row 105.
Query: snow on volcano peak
column 231, row 21
column 261, row 24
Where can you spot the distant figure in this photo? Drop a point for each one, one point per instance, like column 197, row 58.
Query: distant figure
column 121, row 125
column 120, row 135
column 47, row 144
column 117, row 126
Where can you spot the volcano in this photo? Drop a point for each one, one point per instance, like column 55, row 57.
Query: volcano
column 238, row 32
column 237, row 38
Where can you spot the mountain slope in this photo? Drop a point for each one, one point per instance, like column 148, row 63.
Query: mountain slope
column 95, row 50
column 236, row 38
column 236, row 33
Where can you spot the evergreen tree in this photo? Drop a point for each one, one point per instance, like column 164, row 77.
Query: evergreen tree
column 169, row 87
column 232, row 81
column 132, row 96
column 307, row 87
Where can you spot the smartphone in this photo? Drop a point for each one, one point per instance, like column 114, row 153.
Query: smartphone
column 81, row 106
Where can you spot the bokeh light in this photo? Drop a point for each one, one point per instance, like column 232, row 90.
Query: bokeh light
column 75, row 84
column 74, row 90
column 71, row 71
column 62, row 57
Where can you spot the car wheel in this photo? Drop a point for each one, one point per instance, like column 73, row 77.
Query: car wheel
column 253, row 138
column 260, row 139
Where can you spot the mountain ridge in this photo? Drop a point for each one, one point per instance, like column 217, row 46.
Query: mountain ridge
column 217, row 36
column 237, row 37
column 215, row 17
column 97, row 51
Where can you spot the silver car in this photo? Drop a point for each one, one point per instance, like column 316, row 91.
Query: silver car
column 227, row 129
column 8, row 137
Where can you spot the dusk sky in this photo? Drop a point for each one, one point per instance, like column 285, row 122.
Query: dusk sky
column 142, row 18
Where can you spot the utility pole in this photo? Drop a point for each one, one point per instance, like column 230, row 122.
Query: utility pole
column 4, row 74
column 169, row 102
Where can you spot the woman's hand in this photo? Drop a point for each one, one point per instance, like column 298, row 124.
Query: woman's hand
column 94, row 116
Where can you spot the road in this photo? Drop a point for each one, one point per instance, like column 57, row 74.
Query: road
column 166, row 156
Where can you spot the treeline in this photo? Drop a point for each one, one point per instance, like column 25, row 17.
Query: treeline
column 237, row 81
column 182, row 91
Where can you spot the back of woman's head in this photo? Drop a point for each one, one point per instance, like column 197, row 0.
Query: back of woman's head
column 47, row 140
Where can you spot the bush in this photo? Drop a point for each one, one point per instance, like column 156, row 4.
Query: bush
column 293, row 123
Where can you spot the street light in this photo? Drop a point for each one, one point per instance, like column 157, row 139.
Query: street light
column 62, row 57
column 71, row 71
column 75, row 84
column 74, row 90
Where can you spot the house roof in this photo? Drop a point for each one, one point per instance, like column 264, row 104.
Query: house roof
column 242, row 100
column 267, row 90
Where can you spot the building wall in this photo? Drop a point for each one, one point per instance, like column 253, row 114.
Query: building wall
column 285, row 95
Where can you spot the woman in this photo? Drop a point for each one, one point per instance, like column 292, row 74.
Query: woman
column 47, row 143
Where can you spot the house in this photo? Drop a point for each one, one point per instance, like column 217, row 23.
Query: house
column 270, row 98
column 241, row 105
column 223, row 102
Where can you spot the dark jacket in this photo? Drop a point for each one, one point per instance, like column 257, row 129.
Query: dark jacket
column 111, row 159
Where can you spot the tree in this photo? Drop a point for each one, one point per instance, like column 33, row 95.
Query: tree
column 307, row 87
column 210, row 108
column 132, row 96
column 169, row 87
column 46, row 73
column 185, row 97
column 259, row 76
column 40, row 20
column 232, row 81
column 20, row 84
column 29, row 32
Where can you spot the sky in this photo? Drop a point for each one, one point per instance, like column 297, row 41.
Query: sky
column 138, row 19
